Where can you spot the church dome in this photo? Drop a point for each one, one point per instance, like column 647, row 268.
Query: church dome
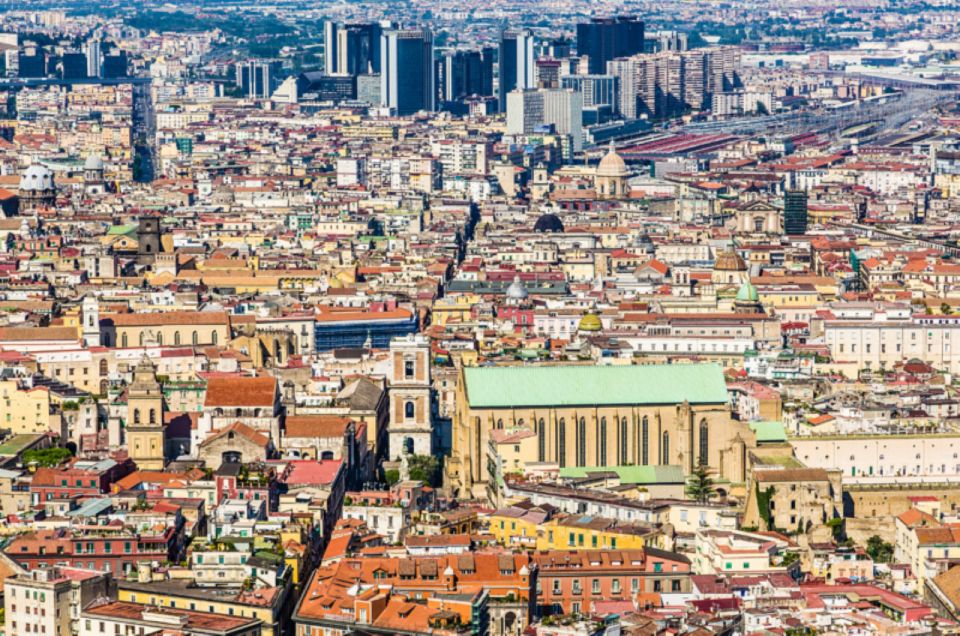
column 516, row 290
column 36, row 178
column 590, row 322
column 93, row 162
column 748, row 293
column 729, row 261
column 612, row 165
column 548, row 223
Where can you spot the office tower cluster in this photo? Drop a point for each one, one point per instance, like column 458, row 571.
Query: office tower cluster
column 515, row 63
column 669, row 83
column 352, row 49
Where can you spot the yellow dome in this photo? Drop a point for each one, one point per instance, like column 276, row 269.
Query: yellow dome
column 590, row 322
column 729, row 261
column 612, row 165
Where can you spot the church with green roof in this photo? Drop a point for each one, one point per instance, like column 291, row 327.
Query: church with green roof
column 589, row 416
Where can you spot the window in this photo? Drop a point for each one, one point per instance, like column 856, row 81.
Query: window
column 675, row 585
column 562, row 443
column 194, row 338
column 623, row 440
column 104, row 367
column 136, row 416
column 665, row 449
column 556, row 586
column 602, row 449
column 582, row 442
column 408, row 369
column 153, row 416
column 595, row 586
column 615, row 586
column 704, row 443
column 408, row 410
column 542, row 441
column 213, row 337
column 645, row 441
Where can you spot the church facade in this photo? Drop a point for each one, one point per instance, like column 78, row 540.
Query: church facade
column 584, row 415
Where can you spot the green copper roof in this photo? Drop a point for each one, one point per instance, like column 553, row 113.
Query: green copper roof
column 630, row 474
column 748, row 293
column 769, row 432
column 587, row 385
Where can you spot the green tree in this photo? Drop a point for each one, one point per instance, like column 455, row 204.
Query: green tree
column 424, row 468
column 47, row 457
column 945, row 309
column 879, row 550
column 700, row 485
column 391, row 477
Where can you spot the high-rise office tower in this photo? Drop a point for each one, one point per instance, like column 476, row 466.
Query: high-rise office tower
column 94, row 58
column 532, row 108
column 604, row 39
column 462, row 74
column 331, row 38
column 795, row 212
column 115, row 65
column 407, row 71
column 32, row 65
column 73, row 65
column 257, row 78
column 516, row 63
column 351, row 49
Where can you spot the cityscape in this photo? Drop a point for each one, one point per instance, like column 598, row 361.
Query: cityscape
column 519, row 318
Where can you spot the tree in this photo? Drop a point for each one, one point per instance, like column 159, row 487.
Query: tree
column 879, row 550
column 391, row 476
column 700, row 485
column 47, row 457
column 424, row 468
column 945, row 309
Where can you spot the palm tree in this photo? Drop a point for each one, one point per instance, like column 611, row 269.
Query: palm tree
column 700, row 485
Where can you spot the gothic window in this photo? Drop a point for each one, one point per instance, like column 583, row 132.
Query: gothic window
column 602, row 437
column 582, row 442
column 665, row 448
column 704, row 443
column 562, row 443
column 645, row 441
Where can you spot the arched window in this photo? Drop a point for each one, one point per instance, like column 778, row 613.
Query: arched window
column 160, row 339
column 408, row 410
column 123, row 341
column 665, row 449
column 623, row 441
column 562, row 443
column 213, row 337
column 153, row 416
column 194, row 338
column 645, row 441
column 542, row 440
column 141, row 338
column 602, row 437
column 104, row 367
column 582, row 442
column 136, row 416
column 238, row 413
column 176, row 337
column 704, row 443
column 499, row 424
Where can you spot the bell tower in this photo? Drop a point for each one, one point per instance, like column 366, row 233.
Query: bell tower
column 410, row 429
column 90, row 315
column 144, row 424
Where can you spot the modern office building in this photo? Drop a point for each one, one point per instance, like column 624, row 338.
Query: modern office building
column 462, row 74
column 531, row 109
column 407, row 71
column 115, row 65
column 73, row 65
column 258, row 78
column 94, row 58
column 795, row 212
column 352, row 49
column 32, row 65
column 515, row 63
column 340, row 329
column 604, row 39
